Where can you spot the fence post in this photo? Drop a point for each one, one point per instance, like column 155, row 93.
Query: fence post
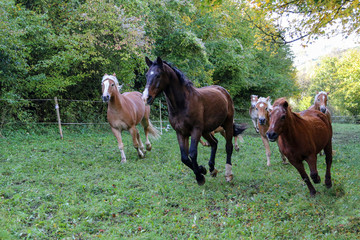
column 160, row 117
column 58, row 116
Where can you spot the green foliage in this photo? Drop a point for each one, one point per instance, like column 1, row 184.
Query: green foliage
column 339, row 76
column 77, row 188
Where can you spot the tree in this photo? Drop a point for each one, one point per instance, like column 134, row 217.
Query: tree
column 305, row 20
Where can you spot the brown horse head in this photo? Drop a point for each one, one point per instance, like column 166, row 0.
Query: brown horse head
column 254, row 99
column 320, row 102
column 278, row 117
column 156, row 80
column 109, row 85
column 263, row 107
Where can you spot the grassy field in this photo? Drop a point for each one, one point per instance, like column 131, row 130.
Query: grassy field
column 77, row 188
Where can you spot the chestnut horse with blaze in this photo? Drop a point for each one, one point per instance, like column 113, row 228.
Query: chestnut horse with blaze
column 124, row 112
column 301, row 137
column 193, row 112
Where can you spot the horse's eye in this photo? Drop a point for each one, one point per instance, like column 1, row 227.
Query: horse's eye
column 112, row 84
column 266, row 109
column 318, row 100
column 283, row 117
column 256, row 109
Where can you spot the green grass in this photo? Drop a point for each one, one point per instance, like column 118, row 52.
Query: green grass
column 77, row 188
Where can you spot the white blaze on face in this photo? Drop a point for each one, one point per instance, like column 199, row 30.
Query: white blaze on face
column 261, row 105
column 145, row 94
column 106, row 87
column 152, row 72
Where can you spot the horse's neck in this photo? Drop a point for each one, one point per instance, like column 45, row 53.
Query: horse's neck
column 291, row 132
column 175, row 95
column 116, row 101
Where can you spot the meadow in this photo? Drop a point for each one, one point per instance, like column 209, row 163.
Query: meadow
column 76, row 188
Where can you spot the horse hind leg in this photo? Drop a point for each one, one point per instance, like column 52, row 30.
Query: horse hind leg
column 328, row 158
column 117, row 134
column 136, row 143
column 145, row 122
column 267, row 149
column 229, row 131
column 213, row 143
column 311, row 160
column 300, row 168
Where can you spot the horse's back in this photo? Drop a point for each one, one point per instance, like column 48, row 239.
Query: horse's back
column 217, row 106
column 135, row 102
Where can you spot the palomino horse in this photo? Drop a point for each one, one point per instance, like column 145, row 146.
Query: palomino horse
column 263, row 108
column 222, row 132
column 253, row 111
column 320, row 103
column 301, row 137
column 124, row 112
column 193, row 112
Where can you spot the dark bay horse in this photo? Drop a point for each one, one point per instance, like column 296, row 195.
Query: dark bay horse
column 124, row 112
column 263, row 108
column 320, row 103
column 193, row 112
column 301, row 137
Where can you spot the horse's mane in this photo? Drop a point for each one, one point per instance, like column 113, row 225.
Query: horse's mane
column 319, row 93
column 264, row 100
column 114, row 78
column 280, row 101
column 182, row 78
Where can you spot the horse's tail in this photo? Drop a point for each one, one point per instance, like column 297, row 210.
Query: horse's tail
column 239, row 128
column 153, row 131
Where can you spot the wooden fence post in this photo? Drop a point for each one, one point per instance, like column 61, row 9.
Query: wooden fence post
column 58, row 116
column 160, row 117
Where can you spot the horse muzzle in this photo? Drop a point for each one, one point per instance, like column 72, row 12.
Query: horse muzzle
column 272, row 136
column 323, row 109
column 150, row 100
column 105, row 98
column 262, row 121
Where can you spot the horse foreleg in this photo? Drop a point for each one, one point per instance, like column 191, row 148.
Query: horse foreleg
column 199, row 171
column 254, row 121
column 300, row 167
column 213, row 143
column 117, row 134
column 328, row 159
column 184, row 150
column 281, row 154
column 267, row 149
column 311, row 160
column 146, row 125
column 137, row 145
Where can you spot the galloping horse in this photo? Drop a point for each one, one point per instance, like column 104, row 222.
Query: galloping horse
column 222, row 132
column 253, row 111
column 301, row 137
column 320, row 103
column 124, row 112
column 263, row 108
column 193, row 112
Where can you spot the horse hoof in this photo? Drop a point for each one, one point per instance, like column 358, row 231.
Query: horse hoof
column 328, row 183
column 202, row 170
column 313, row 194
column 237, row 149
column 123, row 160
column 148, row 147
column 285, row 163
column 200, row 180
column 214, row 173
column 229, row 178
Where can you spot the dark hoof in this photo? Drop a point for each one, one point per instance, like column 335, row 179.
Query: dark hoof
column 202, row 170
column 237, row 149
column 148, row 147
column 200, row 180
column 317, row 179
column 328, row 183
column 313, row 194
column 214, row 173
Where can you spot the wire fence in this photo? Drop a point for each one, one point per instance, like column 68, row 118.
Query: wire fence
column 90, row 115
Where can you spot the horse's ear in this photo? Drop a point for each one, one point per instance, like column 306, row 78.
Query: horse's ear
column 159, row 62
column 114, row 74
column 148, row 61
column 267, row 99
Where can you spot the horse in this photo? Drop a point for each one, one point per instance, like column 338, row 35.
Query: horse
column 193, row 112
column 301, row 137
column 253, row 111
column 320, row 103
column 263, row 108
column 124, row 112
column 221, row 130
